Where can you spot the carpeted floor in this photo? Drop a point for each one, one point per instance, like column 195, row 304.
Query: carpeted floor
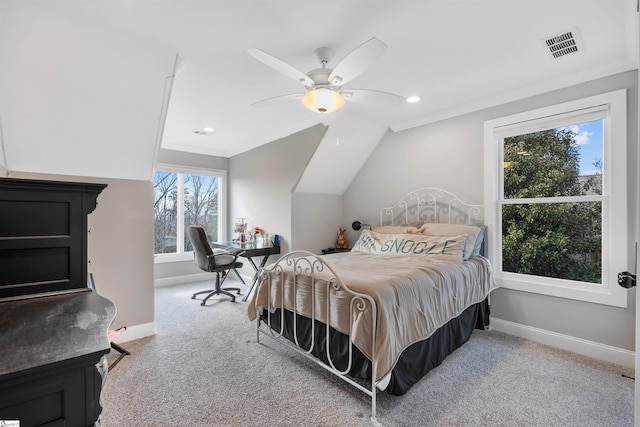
column 204, row 368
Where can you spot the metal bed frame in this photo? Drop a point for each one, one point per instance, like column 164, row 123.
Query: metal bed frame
column 431, row 205
column 307, row 264
column 416, row 207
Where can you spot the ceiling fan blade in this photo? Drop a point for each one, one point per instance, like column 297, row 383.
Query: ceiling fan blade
column 372, row 97
column 357, row 61
column 278, row 100
column 280, row 66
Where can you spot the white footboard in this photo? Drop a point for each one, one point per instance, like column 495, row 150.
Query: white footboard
column 304, row 284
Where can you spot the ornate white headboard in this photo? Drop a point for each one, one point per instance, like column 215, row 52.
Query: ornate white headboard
column 431, row 205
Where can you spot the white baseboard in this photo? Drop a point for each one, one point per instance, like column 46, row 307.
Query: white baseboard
column 198, row 277
column 593, row 349
column 136, row 332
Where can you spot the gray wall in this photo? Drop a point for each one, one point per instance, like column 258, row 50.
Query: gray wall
column 120, row 246
column 121, row 249
column 181, row 158
column 261, row 183
column 445, row 155
column 3, row 165
column 448, row 154
column 316, row 220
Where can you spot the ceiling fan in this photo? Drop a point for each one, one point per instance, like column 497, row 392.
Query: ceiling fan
column 325, row 93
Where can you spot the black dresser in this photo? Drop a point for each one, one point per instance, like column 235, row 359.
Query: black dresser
column 53, row 328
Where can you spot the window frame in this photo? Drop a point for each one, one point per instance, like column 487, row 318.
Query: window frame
column 611, row 108
column 180, row 254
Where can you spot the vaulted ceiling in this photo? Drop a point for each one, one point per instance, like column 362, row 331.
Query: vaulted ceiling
column 86, row 84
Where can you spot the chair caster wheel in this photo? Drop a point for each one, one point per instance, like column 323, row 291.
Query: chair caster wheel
column 202, row 303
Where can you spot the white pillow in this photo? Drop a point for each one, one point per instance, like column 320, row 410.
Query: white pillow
column 473, row 233
column 441, row 247
column 397, row 229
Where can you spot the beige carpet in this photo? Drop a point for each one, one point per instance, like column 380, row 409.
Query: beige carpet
column 204, row 368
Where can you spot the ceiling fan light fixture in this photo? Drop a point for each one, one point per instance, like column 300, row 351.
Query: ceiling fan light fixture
column 323, row 100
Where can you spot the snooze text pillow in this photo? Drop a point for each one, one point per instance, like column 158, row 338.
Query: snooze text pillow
column 442, row 247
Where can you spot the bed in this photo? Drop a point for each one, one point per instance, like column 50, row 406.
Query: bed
column 408, row 294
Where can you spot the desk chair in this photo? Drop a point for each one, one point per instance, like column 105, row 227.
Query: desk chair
column 216, row 261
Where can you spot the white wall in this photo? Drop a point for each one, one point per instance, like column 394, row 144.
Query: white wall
column 448, row 154
column 79, row 98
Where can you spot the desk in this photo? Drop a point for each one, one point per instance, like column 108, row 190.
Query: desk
column 249, row 251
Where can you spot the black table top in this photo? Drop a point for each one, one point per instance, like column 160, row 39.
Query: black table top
column 250, row 249
column 40, row 331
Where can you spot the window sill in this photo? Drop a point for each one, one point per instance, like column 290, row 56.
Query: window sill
column 166, row 258
column 598, row 294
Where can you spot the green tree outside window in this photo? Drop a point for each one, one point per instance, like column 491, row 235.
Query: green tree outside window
column 551, row 239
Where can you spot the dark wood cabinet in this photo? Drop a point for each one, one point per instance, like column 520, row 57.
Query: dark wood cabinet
column 53, row 328
column 43, row 236
column 50, row 351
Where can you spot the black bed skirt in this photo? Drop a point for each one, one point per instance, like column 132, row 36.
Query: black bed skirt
column 414, row 362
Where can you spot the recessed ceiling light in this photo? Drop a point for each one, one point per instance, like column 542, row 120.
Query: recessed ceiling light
column 413, row 99
column 204, row 131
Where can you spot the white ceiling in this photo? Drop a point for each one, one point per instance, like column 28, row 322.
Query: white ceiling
column 458, row 55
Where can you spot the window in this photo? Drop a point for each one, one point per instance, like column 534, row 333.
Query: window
column 188, row 197
column 555, row 190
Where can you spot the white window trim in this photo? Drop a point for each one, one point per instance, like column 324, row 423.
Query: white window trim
column 614, row 199
column 222, row 206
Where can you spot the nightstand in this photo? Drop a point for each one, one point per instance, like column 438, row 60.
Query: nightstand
column 335, row 250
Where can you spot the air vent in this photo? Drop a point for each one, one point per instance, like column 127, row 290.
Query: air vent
column 564, row 43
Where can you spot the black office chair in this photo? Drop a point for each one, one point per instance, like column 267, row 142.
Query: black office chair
column 216, row 261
